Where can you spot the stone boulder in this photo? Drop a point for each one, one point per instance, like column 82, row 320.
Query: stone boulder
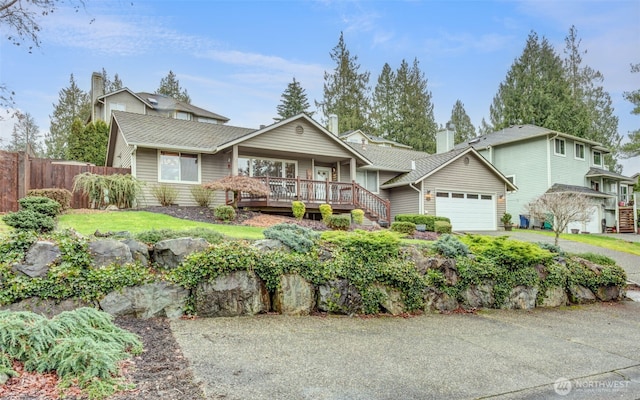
column 445, row 265
column 109, row 251
column 139, row 251
column 171, row 252
column 609, row 293
column 421, row 262
column 340, row 297
column 521, row 298
column 158, row 299
column 295, row 296
column 478, row 296
column 392, row 303
column 230, row 295
column 38, row 259
column 269, row 245
column 579, row 294
column 555, row 296
column 436, row 300
column 46, row 307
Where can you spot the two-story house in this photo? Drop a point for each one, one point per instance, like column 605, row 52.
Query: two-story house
column 535, row 159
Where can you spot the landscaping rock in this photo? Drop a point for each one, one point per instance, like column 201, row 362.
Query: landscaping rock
column 555, row 296
column 339, row 296
column 230, row 295
column 3, row 378
column 478, row 296
column 139, row 251
column 522, row 298
column 579, row 294
column 422, row 263
column 159, row 299
column 445, row 265
column 171, row 252
column 609, row 293
column 435, row 300
column 269, row 245
column 393, row 303
column 295, row 296
column 38, row 259
column 46, row 307
column 109, row 251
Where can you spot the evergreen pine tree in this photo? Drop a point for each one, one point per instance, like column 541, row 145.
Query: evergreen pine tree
column 72, row 103
column 25, row 130
column 535, row 91
column 170, row 86
column 110, row 86
column 632, row 147
column 484, row 128
column 464, row 128
column 88, row 143
column 293, row 102
column 598, row 123
column 346, row 91
column 384, row 116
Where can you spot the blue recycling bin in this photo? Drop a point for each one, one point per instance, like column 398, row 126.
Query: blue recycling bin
column 524, row 222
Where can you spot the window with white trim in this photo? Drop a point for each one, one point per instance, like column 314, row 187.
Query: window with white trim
column 579, row 152
column 183, row 115
column 115, row 107
column 559, row 147
column 267, row 167
column 368, row 180
column 597, row 158
column 178, row 167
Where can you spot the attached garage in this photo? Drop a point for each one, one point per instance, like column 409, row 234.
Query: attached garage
column 467, row 211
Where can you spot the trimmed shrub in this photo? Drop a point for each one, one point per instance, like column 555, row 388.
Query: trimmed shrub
column 449, row 246
column 339, row 222
column 326, row 211
column 224, row 213
column 512, row 254
column 298, row 208
column 29, row 220
column 297, row 238
column 201, row 195
column 41, row 205
column 358, row 216
column 61, row 196
column 165, row 194
column 403, row 227
column 421, row 219
column 442, row 227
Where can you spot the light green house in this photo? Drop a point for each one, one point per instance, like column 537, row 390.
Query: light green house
column 535, row 159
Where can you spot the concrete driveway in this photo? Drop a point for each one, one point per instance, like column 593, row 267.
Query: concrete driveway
column 569, row 353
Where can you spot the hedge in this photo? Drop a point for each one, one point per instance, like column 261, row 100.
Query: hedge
column 422, row 219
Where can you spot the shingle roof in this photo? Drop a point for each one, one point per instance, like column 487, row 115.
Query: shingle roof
column 424, row 166
column 602, row 172
column 560, row 188
column 514, row 134
column 163, row 132
column 169, row 103
column 388, row 158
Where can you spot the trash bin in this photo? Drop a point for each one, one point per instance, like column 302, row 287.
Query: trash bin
column 524, row 221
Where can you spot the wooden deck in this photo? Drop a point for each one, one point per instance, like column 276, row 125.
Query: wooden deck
column 340, row 195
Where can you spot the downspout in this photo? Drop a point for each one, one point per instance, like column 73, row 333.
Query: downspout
column 421, row 202
column 134, row 168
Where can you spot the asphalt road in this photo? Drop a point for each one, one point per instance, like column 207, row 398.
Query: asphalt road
column 581, row 352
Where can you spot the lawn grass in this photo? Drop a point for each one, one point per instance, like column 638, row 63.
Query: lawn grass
column 140, row 221
column 3, row 227
column 603, row 241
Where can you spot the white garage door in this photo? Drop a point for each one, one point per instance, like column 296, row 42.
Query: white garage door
column 467, row 211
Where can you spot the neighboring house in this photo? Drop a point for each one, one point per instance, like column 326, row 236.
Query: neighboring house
column 298, row 159
column 536, row 158
column 144, row 103
column 359, row 137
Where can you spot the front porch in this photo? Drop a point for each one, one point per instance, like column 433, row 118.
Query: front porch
column 342, row 196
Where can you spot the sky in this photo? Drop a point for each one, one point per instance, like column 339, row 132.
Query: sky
column 236, row 58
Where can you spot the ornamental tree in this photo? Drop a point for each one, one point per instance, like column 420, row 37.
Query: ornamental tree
column 238, row 184
column 565, row 207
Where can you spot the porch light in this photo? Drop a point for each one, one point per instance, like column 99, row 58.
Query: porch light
column 501, row 198
column 427, row 195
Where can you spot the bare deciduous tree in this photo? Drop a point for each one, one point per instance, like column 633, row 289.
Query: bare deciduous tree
column 564, row 207
column 237, row 184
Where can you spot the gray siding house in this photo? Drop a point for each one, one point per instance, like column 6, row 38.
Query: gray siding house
column 535, row 159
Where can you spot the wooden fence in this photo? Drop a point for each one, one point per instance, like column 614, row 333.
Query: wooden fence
column 20, row 173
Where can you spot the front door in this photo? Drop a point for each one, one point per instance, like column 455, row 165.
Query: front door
column 322, row 174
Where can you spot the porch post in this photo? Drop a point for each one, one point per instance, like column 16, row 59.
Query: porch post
column 352, row 169
column 234, row 160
